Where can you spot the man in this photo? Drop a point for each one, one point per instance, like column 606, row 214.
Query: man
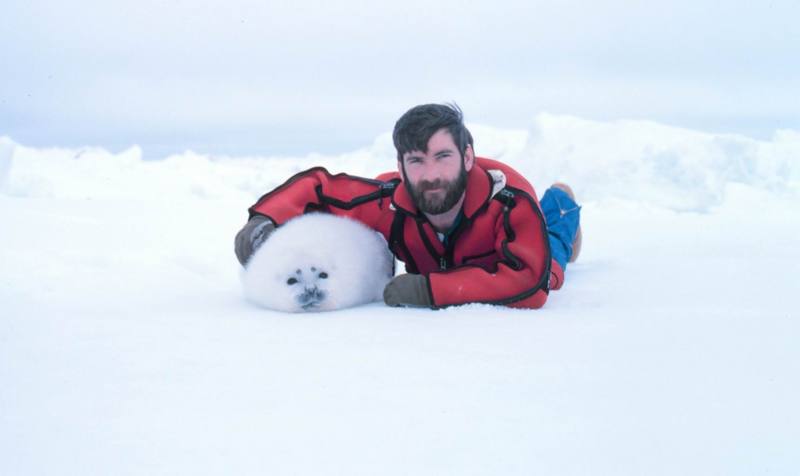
column 468, row 229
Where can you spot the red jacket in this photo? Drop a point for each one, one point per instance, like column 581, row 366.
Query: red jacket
column 498, row 254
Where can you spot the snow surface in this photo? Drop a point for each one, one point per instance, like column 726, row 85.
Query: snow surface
column 126, row 346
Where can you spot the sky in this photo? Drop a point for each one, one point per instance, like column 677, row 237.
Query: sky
column 270, row 78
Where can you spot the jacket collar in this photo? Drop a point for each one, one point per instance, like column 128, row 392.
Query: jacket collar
column 479, row 189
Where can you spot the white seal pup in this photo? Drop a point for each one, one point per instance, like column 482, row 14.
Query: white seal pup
column 318, row 262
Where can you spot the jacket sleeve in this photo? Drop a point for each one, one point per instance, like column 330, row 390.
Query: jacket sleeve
column 523, row 270
column 362, row 199
column 317, row 189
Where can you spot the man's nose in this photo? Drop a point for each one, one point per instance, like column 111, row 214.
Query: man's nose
column 430, row 173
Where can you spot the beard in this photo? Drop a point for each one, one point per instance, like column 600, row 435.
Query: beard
column 435, row 204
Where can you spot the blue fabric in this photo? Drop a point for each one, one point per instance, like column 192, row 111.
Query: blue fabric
column 563, row 217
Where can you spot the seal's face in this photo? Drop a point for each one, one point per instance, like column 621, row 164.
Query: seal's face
column 307, row 285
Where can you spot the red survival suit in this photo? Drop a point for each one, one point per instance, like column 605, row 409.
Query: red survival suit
column 498, row 254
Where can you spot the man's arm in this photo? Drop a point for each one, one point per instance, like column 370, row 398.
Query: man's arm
column 313, row 190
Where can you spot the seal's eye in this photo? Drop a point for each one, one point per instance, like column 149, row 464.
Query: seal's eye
column 291, row 281
column 323, row 275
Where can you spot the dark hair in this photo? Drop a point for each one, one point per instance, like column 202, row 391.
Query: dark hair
column 414, row 129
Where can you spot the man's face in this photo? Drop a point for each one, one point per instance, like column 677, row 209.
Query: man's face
column 436, row 179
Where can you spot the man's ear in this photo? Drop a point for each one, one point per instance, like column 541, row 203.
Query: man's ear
column 400, row 167
column 469, row 158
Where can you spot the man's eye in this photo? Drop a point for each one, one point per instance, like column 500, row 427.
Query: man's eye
column 291, row 281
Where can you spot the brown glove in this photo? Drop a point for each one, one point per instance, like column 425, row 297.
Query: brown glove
column 249, row 238
column 408, row 290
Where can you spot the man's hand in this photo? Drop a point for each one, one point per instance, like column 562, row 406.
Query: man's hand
column 408, row 290
column 253, row 235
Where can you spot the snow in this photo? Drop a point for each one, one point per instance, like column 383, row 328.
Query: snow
column 6, row 154
column 126, row 346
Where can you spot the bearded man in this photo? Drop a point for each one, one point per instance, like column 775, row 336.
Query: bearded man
column 469, row 229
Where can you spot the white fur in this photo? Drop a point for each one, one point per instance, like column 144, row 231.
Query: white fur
column 355, row 258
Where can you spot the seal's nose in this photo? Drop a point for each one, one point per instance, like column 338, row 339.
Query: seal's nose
column 311, row 296
column 317, row 293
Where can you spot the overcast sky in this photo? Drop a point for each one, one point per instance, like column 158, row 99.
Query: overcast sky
column 260, row 77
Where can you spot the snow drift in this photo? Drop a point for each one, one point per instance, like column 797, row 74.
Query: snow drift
column 644, row 161
column 6, row 154
column 665, row 166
